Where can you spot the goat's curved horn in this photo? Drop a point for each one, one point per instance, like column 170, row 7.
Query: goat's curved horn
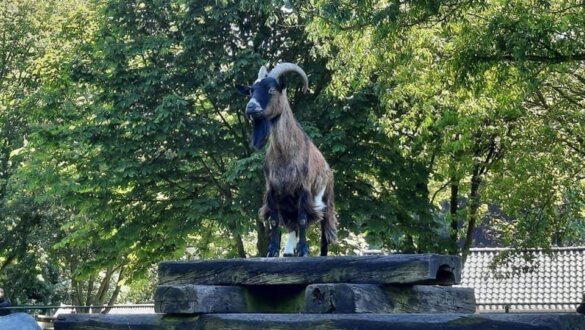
column 283, row 68
column 263, row 73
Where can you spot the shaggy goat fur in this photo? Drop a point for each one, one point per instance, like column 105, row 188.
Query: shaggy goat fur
column 299, row 182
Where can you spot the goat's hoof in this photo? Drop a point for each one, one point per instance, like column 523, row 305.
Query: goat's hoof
column 302, row 251
column 288, row 255
column 273, row 250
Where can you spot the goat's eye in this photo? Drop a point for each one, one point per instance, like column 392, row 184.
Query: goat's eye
column 272, row 91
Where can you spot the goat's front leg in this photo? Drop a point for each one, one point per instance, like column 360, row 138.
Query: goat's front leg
column 302, row 247
column 274, row 245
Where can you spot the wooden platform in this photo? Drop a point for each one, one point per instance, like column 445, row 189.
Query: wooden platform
column 372, row 292
column 365, row 284
column 314, row 298
column 549, row 321
column 389, row 269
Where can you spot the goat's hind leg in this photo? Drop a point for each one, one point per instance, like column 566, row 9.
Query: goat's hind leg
column 302, row 247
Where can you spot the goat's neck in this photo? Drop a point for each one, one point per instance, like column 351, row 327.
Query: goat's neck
column 286, row 137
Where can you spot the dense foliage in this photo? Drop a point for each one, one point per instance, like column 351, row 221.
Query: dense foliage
column 123, row 140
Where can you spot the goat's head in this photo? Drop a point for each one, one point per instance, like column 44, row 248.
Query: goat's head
column 264, row 98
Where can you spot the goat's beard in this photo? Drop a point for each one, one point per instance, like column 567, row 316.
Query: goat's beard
column 260, row 132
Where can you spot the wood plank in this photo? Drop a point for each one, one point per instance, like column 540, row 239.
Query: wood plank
column 373, row 298
column 431, row 299
column 346, row 298
column 126, row 322
column 315, row 298
column 197, row 299
column 389, row 269
column 192, row 299
column 392, row 321
column 529, row 321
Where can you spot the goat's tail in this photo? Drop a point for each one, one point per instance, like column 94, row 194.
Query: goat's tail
column 329, row 225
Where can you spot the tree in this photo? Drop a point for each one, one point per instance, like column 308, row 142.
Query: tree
column 26, row 40
column 153, row 147
column 37, row 39
column 124, row 137
column 468, row 74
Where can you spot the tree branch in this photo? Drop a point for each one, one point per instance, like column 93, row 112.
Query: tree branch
column 533, row 58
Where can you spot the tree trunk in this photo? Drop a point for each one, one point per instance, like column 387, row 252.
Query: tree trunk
column 89, row 293
column 240, row 246
column 473, row 207
column 454, row 202
column 453, row 207
column 479, row 171
column 238, row 240
column 116, row 292
column 263, row 234
column 100, row 297
column 76, row 296
column 409, row 244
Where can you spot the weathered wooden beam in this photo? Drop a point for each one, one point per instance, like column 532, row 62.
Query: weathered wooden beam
column 346, row 298
column 193, row 299
column 315, row 298
column 373, row 298
column 126, row 322
column 198, row 299
column 389, row 269
column 392, row 321
column 431, row 299
column 529, row 321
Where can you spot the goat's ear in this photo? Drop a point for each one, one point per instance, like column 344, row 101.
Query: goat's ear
column 244, row 90
column 281, row 84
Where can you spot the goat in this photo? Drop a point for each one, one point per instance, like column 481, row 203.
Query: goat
column 299, row 182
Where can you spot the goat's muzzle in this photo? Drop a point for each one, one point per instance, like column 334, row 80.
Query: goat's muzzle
column 253, row 110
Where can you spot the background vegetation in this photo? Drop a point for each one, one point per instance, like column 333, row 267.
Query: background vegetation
column 123, row 140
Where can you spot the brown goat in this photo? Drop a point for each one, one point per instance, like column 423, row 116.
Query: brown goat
column 299, row 182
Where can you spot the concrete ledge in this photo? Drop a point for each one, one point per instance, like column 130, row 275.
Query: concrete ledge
column 569, row 321
column 18, row 321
